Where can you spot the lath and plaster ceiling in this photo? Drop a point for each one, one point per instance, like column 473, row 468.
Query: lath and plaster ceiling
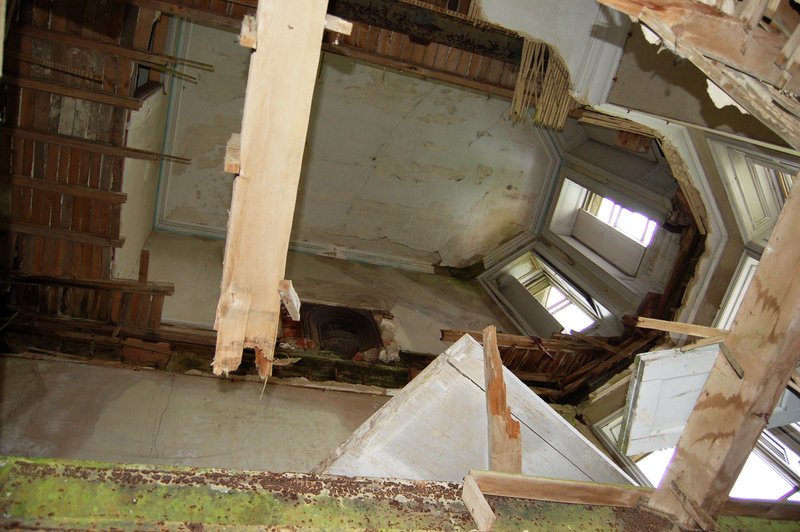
column 398, row 170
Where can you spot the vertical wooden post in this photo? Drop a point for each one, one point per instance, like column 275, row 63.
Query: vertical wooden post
column 732, row 411
column 277, row 107
column 505, row 441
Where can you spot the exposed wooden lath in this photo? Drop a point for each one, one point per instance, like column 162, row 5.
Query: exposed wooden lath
column 542, row 83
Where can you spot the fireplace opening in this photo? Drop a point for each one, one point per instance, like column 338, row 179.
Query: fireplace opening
column 344, row 331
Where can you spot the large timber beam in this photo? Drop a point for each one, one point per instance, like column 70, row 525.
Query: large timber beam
column 731, row 411
column 426, row 24
column 68, row 494
column 277, row 107
column 716, row 35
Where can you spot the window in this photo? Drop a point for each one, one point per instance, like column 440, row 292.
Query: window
column 601, row 228
column 563, row 301
column 633, row 224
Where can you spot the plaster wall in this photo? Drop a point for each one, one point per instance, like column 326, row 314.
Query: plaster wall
column 149, row 417
column 194, row 198
column 661, row 84
column 398, row 170
column 145, row 131
column 421, row 303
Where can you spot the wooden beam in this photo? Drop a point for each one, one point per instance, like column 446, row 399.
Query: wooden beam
column 73, row 92
column 338, row 25
column 277, row 107
column 60, row 234
column 233, row 153
column 716, row 35
column 402, row 66
column 476, row 503
column 505, row 441
column 89, row 145
column 192, row 13
column 144, row 265
column 425, row 23
column 522, row 342
column 113, row 49
column 556, row 490
column 290, row 299
column 77, row 191
column 676, row 327
column 731, row 412
column 122, row 285
column 575, row 492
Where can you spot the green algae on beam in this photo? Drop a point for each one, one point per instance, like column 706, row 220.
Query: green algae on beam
column 71, row 491
column 71, row 494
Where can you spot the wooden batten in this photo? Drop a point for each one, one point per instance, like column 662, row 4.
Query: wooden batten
column 277, row 108
column 505, row 442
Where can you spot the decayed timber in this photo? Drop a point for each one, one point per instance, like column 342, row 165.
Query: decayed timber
column 677, row 327
column 192, row 13
column 89, row 44
column 125, row 285
column 403, row 66
column 89, row 145
column 74, row 92
column 63, row 188
column 280, row 86
column 423, row 23
column 714, row 34
column 731, row 412
column 505, row 441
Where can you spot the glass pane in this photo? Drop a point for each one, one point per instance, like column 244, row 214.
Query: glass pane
column 632, row 224
column 654, row 465
column 573, row 318
column 759, row 481
column 605, row 210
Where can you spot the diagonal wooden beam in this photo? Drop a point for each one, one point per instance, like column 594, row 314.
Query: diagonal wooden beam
column 714, row 34
column 505, row 440
column 731, row 412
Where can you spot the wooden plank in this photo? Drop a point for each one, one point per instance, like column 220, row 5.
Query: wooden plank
column 233, row 153
column 290, row 299
column 90, row 145
column 73, row 92
column 123, row 285
column 476, row 503
column 59, row 188
column 280, row 87
column 677, row 327
column 338, row 25
column 248, row 34
column 557, row 490
column 416, row 67
column 192, row 13
column 505, row 443
column 61, row 234
column 144, row 265
column 522, row 342
column 732, row 412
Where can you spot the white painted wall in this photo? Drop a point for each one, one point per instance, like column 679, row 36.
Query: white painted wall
column 140, row 182
column 421, row 303
column 398, row 170
column 588, row 36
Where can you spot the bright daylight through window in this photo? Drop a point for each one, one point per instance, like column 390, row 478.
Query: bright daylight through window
column 554, row 294
column 633, row 224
